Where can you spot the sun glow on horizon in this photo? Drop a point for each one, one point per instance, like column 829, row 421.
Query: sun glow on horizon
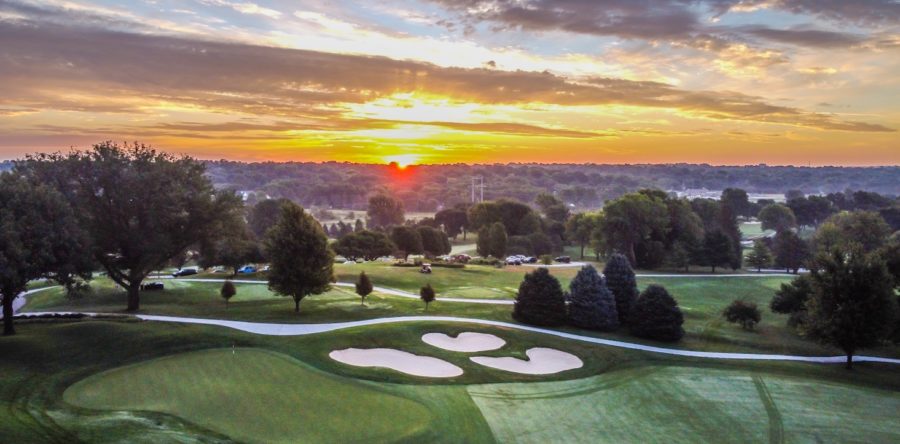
column 403, row 160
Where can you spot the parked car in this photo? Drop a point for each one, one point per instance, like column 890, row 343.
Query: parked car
column 247, row 269
column 531, row 260
column 152, row 286
column 460, row 258
column 563, row 259
column 184, row 272
column 513, row 260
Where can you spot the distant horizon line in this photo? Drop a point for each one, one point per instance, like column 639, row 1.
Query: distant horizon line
column 388, row 164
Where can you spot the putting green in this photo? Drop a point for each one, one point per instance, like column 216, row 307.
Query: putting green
column 677, row 404
column 255, row 396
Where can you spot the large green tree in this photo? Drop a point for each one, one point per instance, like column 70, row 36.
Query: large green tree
column 434, row 241
column 852, row 303
column 263, row 215
column 235, row 246
column 39, row 238
column 407, row 240
column 760, row 256
column 368, row 245
column 630, row 220
column 738, row 201
column 580, row 227
column 867, row 229
column 498, row 240
column 790, row 251
column 454, row 221
column 717, row 250
column 778, row 217
column 301, row 264
column 140, row 207
column 384, row 211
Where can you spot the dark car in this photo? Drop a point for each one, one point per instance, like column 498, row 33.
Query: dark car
column 152, row 286
column 563, row 259
column 184, row 272
column 531, row 260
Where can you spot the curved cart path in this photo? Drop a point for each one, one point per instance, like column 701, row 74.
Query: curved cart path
column 308, row 329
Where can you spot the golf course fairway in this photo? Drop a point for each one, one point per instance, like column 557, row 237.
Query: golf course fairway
column 688, row 404
column 255, row 395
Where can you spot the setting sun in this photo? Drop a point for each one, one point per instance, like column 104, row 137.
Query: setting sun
column 403, row 160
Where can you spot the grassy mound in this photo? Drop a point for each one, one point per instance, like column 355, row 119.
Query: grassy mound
column 254, row 395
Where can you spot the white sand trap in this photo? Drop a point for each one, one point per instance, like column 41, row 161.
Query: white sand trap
column 398, row 360
column 464, row 342
column 541, row 361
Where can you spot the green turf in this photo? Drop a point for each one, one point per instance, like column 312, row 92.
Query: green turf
column 753, row 231
column 701, row 299
column 675, row 404
column 255, row 395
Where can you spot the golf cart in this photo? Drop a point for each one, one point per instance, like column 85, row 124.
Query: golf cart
column 426, row 269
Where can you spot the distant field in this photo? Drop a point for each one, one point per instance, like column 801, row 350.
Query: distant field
column 752, row 230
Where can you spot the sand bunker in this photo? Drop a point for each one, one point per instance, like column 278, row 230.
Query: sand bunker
column 464, row 342
column 541, row 361
column 398, row 360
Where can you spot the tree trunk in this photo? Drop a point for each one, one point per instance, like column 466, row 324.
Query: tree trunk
column 134, row 297
column 8, row 329
column 296, row 305
column 426, row 306
column 582, row 251
column 850, row 361
column 713, row 269
column 631, row 257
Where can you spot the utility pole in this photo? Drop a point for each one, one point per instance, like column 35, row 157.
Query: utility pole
column 478, row 182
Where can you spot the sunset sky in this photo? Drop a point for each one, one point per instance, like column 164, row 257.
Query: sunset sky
column 444, row 81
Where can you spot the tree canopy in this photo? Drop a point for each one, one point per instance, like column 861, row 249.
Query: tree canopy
column 301, row 264
column 852, row 303
column 365, row 244
column 384, row 211
column 139, row 207
column 39, row 238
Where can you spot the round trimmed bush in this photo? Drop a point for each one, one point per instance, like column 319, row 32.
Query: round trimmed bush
column 540, row 300
column 742, row 312
column 655, row 315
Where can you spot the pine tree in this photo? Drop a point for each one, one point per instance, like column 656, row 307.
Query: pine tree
column 540, row 300
column 426, row 293
column 759, row 256
column 621, row 282
column 227, row 291
column 591, row 304
column 363, row 287
column 656, row 315
column 498, row 240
